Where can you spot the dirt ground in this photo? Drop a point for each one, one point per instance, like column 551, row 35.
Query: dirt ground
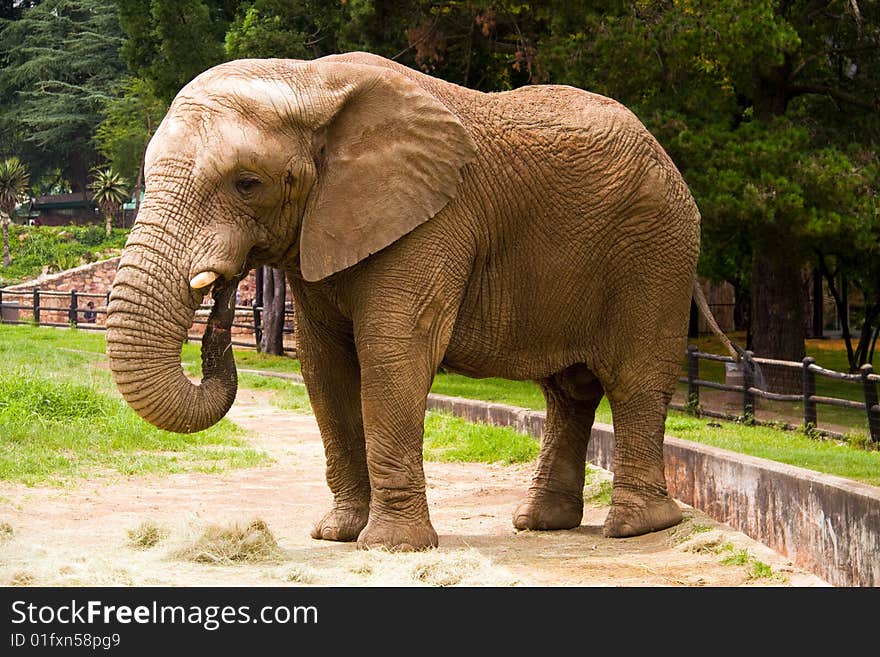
column 78, row 536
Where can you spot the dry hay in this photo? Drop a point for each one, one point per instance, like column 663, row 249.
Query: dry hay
column 146, row 535
column 434, row 567
column 235, row 542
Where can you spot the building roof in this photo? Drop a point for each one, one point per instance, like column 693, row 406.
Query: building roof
column 61, row 201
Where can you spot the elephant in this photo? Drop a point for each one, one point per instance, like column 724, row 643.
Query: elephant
column 538, row 234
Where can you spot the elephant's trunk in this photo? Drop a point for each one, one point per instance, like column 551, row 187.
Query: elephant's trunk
column 148, row 319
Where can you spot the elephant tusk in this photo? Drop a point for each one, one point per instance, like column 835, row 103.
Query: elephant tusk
column 203, row 279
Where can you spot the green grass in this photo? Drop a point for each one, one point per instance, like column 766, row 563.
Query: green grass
column 449, row 438
column 516, row 393
column 57, row 247
column 601, row 496
column 756, row 569
column 61, row 418
column 291, row 396
column 21, row 345
column 792, row 447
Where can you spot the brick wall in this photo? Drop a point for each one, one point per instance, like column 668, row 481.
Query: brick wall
column 92, row 282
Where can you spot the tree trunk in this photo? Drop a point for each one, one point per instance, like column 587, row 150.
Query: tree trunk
column 108, row 223
column 777, row 320
column 6, row 257
column 817, row 297
column 139, row 185
column 274, row 292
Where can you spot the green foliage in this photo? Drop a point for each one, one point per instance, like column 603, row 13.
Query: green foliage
column 14, row 183
column 129, row 120
column 169, row 42
column 302, row 29
column 57, row 248
column 60, row 63
column 109, row 190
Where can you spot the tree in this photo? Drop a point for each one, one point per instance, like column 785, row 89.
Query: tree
column 847, row 252
column 109, row 190
column 274, row 306
column 14, row 181
column 748, row 98
column 172, row 41
column 130, row 119
column 60, row 63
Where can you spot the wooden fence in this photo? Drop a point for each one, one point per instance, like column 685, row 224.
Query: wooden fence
column 749, row 391
column 49, row 308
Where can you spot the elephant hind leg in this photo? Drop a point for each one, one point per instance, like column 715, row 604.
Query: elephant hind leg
column 556, row 496
column 639, row 499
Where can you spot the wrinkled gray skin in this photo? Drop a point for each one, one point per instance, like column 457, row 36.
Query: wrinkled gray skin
column 538, row 234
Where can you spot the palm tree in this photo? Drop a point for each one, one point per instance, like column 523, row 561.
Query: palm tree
column 14, row 181
column 109, row 191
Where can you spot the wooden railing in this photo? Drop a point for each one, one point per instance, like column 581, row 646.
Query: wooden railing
column 749, row 391
column 79, row 315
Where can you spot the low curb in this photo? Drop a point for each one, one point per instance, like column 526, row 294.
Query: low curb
column 827, row 525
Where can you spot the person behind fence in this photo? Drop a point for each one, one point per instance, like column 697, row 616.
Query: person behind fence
column 90, row 314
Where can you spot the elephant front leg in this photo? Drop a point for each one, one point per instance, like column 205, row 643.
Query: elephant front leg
column 332, row 375
column 394, row 394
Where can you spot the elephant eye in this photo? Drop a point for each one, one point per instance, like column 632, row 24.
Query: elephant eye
column 247, row 184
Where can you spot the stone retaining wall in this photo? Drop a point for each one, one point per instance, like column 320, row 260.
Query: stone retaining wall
column 827, row 525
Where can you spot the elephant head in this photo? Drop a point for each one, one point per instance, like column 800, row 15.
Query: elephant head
column 310, row 166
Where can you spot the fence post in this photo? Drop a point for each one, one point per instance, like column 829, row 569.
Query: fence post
column 258, row 331
column 748, row 382
column 809, row 378
column 73, row 308
column 871, row 405
column 693, row 398
column 37, row 306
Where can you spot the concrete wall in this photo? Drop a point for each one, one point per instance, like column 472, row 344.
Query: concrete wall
column 825, row 524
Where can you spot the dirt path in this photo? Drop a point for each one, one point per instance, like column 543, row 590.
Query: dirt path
column 79, row 536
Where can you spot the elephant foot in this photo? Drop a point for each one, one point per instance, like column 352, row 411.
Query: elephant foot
column 548, row 510
column 634, row 516
column 342, row 523
column 397, row 536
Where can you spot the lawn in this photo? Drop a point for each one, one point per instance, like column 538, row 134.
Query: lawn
column 62, row 419
column 70, row 351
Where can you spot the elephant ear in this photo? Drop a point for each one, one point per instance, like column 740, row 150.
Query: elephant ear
column 389, row 158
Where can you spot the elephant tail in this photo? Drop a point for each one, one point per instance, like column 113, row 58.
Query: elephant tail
column 700, row 299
